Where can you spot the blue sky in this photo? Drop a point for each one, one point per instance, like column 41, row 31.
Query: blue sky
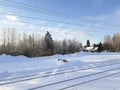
column 94, row 13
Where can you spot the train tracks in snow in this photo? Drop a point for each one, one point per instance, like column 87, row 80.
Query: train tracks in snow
column 67, row 70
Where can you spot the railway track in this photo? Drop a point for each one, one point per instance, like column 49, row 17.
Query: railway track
column 63, row 71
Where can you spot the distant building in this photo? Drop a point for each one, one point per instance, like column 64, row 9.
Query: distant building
column 89, row 49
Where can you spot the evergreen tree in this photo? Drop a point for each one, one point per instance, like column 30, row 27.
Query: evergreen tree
column 49, row 42
column 88, row 43
column 100, row 47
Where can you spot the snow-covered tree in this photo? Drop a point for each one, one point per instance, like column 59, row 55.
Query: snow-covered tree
column 116, row 41
column 108, row 43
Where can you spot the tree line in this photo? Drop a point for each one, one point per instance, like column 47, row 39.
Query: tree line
column 34, row 45
column 112, row 43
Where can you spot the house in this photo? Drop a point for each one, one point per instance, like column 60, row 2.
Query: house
column 89, row 49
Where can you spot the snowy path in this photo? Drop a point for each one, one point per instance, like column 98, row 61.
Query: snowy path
column 48, row 73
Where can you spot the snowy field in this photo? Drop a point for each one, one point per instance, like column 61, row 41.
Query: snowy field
column 84, row 71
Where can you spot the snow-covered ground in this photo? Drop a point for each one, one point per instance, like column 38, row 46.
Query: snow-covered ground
column 22, row 73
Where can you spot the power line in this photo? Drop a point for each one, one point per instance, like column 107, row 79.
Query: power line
column 89, row 81
column 40, row 19
column 35, row 18
column 59, row 73
column 39, row 8
column 33, row 10
column 54, row 26
column 98, row 73
column 25, row 8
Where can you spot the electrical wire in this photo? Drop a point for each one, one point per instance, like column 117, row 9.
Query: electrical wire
column 36, row 18
column 39, row 8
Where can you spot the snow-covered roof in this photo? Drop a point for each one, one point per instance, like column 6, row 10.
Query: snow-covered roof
column 89, row 48
column 96, row 48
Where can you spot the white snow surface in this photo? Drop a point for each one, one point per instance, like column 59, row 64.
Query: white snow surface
column 12, row 67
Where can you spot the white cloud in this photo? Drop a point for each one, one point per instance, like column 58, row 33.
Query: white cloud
column 117, row 13
column 78, row 33
column 2, row 9
column 32, row 27
column 103, row 19
column 5, row 21
column 109, row 21
column 66, row 31
column 99, row 17
column 12, row 18
column 20, row 23
column 56, row 30
column 11, row 23
column 69, row 33
column 41, row 22
column 116, row 16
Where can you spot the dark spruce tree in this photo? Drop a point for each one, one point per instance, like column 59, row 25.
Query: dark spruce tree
column 49, row 44
column 100, row 47
column 88, row 43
